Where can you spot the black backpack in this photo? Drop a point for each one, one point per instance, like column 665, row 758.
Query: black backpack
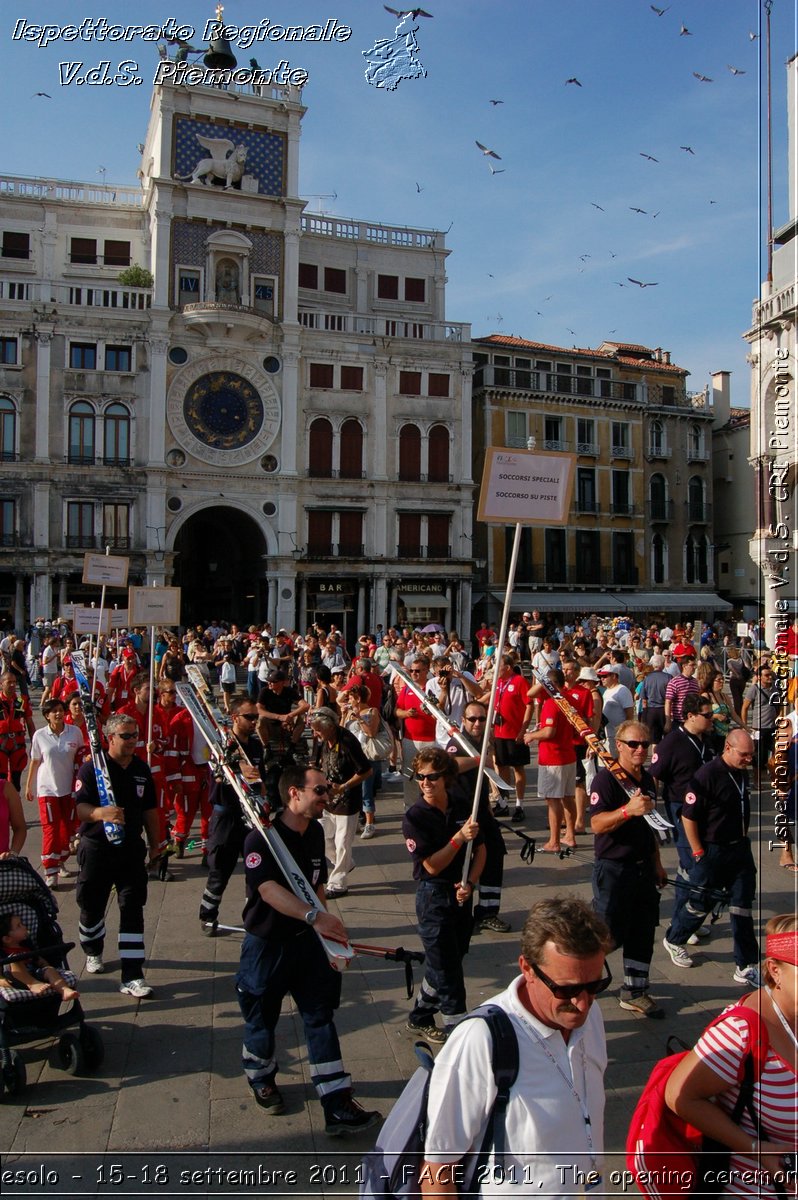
column 391, row 1170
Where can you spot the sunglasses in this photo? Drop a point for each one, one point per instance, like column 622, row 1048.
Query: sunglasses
column 127, row 737
column 248, row 716
column 473, row 720
column 568, row 991
column 633, row 744
column 320, row 789
column 433, row 777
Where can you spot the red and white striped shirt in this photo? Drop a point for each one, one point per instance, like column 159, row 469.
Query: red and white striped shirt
column 723, row 1049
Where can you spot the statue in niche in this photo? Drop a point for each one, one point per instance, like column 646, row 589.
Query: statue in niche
column 227, row 162
column 227, row 289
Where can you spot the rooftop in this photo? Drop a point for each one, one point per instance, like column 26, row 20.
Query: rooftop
column 624, row 353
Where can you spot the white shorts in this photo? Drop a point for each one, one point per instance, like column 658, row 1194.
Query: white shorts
column 556, row 782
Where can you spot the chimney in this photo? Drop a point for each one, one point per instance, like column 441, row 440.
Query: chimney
column 721, row 398
column 666, row 357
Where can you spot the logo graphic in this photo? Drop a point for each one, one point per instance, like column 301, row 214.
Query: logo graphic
column 411, row 845
column 390, row 60
column 594, row 797
column 253, row 860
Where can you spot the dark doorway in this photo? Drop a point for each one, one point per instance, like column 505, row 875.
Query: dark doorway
column 220, row 567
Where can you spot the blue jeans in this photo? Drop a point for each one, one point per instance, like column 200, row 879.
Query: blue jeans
column 267, row 973
column 370, row 786
column 721, row 867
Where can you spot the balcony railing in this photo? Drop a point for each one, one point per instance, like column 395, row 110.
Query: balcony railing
column 488, row 375
column 588, row 449
column 336, row 550
column 9, row 456
column 659, row 510
column 116, row 543
column 579, row 575
column 555, row 444
column 333, row 473
column 697, row 454
column 657, row 450
column 370, row 325
column 621, row 452
column 414, row 550
column 82, row 541
column 586, row 506
column 79, row 460
column 621, row 508
column 116, row 462
column 34, row 188
column 699, row 514
column 369, row 231
column 9, row 540
column 121, row 299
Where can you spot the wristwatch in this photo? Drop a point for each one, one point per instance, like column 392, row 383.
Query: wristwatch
column 311, row 915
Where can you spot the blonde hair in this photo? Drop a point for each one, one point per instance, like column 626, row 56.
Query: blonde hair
column 784, row 923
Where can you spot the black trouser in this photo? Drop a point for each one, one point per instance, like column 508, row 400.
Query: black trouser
column 720, row 867
column 444, row 927
column 101, row 868
column 225, row 845
column 490, row 881
column 625, row 894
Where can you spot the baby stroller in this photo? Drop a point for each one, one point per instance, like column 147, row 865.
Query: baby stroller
column 25, row 1017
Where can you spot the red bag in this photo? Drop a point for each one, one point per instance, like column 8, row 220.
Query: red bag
column 662, row 1149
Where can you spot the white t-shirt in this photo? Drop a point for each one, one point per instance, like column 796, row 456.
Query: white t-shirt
column 545, row 1125
column 56, row 758
column 616, row 700
column 50, row 662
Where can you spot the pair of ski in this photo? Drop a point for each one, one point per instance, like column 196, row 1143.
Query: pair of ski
column 226, row 763
column 629, row 784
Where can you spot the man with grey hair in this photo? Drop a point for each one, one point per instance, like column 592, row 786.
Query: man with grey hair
column 558, row 1096
column 103, row 865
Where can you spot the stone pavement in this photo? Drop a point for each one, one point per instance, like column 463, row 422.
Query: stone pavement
column 171, row 1088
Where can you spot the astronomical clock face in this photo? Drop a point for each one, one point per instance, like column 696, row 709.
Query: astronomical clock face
column 223, row 411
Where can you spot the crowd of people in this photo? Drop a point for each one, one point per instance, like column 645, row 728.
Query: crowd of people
column 322, row 728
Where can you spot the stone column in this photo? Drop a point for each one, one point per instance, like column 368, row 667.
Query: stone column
column 361, row 608
column 43, row 343
column 290, row 297
column 394, row 604
column 62, row 592
column 302, row 615
column 379, row 601
column 19, row 604
column 155, row 404
column 290, row 404
column 285, row 600
column 379, row 434
column 41, row 600
column 271, row 615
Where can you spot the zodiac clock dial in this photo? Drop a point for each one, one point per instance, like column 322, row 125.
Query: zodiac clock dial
column 223, row 410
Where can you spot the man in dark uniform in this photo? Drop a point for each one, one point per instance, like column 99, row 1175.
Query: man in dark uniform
column 716, row 815
column 103, row 866
column 281, row 714
column 627, row 872
column 486, row 912
column 228, row 829
column 675, row 761
column 282, row 955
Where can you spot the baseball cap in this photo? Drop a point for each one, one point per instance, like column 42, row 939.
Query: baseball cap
column 608, row 669
column 128, row 652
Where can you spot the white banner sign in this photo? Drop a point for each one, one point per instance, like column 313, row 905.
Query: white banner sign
column 154, row 606
column 120, row 618
column 527, row 487
column 86, row 620
column 105, row 570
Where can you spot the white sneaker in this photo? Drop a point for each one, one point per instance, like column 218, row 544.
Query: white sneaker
column 679, row 956
column 700, row 935
column 137, row 988
column 749, row 975
column 95, row 964
column 368, row 832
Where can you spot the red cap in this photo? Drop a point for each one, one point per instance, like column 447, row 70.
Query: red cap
column 128, row 653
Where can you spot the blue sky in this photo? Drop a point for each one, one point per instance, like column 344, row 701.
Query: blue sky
column 517, row 238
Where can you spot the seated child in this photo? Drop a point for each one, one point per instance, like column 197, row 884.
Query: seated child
column 32, row 973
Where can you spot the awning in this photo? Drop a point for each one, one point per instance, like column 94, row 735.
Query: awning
column 423, row 599
column 611, row 602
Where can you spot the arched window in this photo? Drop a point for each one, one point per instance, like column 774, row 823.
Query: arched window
column 658, row 559
column 696, row 558
column 410, row 453
column 116, row 438
column 81, row 434
column 695, row 499
column 438, row 454
column 351, row 449
column 8, row 430
column 658, row 497
column 695, row 441
column 320, row 447
column 656, row 437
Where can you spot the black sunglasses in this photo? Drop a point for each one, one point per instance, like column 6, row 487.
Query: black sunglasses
column 634, row 744
column 248, row 716
column 433, row 777
column 473, row 719
column 567, row 991
column 321, row 789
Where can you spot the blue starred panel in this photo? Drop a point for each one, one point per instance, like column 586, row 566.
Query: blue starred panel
column 189, row 247
column 265, row 151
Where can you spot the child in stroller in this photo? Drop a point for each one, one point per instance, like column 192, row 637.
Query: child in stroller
column 28, row 911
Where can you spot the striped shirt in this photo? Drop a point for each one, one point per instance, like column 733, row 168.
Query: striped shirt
column 723, row 1049
column 676, row 691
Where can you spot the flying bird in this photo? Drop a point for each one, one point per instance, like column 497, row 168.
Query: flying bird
column 735, row 70
column 640, row 282
column 495, row 170
column 140, row 147
column 689, row 149
column 419, row 189
column 253, row 62
column 407, row 12
column 573, row 79
column 702, row 78
column 583, row 257
column 659, row 11
column 598, row 206
column 650, row 157
column 685, row 32
column 485, row 150
column 640, row 210
column 46, row 95
column 495, row 102
column 752, row 36
column 615, row 281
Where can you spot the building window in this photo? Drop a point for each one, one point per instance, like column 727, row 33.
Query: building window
column 656, row 437
column 525, row 567
column 351, row 379
column 320, row 533
column 15, row 245
column 695, row 499
column 410, row 453
column 668, row 394
column 83, row 251
column 584, row 381
column 623, row 558
column 620, row 436
column 409, row 535
column 588, row 555
column 320, row 448
column 552, row 434
column 8, row 351
column 263, row 294
column 350, row 534
column 81, row 434
column 116, row 526
column 502, row 375
column 585, row 436
column 351, row 450
column 438, row 449
column 387, row 287
column 696, row 559
column 116, row 254
column 308, row 276
column 563, row 381
column 116, row 436
column 658, row 559
column 8, row 430
column 621, row 504
column 118, row 358
column 695, row 441
column 438, row 535
column 556, row 571
column 80, row 524
column 437, row 384
column 586, row 501
column 516, row 429
column 604, row 377
column 415, row 290
column 410, row 383
column 8, row 522
column 658, row 498
column 188, row 287
column 321, row 375
column 83, row 356
column 335, row 280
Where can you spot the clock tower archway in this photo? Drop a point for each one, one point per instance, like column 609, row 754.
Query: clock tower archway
column 220, row 565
